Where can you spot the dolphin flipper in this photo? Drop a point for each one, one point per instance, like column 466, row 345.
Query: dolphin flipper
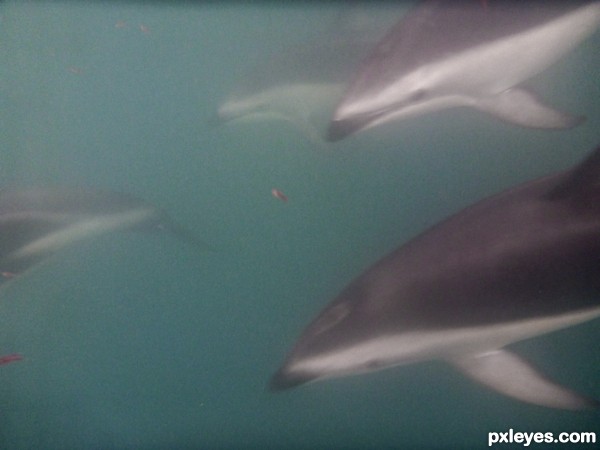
column 510, row 375
column 521, row 107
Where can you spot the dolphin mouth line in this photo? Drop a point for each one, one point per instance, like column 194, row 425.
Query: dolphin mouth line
column 341, row 128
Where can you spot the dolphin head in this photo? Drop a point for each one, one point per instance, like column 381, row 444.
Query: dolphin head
column 350, row 336
column 368, row 104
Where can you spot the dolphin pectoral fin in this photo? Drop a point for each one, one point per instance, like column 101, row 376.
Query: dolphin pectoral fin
column 520, row 107
column 510, row 375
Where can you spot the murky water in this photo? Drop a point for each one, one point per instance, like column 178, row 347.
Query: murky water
column 140, row 341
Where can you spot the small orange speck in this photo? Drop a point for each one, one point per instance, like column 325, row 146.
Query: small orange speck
column 276, row 193
column 10, row 358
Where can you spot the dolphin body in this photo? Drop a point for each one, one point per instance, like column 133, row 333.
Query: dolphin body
column 467, row 53
column 35, row 223
column 516, row 265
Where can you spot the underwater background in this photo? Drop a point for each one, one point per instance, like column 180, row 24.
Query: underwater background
column 140, row 341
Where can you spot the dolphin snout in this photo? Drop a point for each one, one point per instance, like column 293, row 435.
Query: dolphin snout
column 219, row 117
column 285, row 379
column 338, row 130
column 342, row 126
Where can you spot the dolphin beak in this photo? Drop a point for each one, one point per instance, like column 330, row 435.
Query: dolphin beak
column 218, row 118
column 282, row 380
column 342, row 128
column 339, row 129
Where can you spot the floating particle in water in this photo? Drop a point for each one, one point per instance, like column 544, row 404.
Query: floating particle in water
column 76, row 70
column 279, row 195
column 120, row 24
column 10, row 358
column 8, row 274
column 144, row 29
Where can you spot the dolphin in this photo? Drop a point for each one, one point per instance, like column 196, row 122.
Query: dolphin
column 35, row 223
column 517, row 265
column 302, row 83
column 468, row 53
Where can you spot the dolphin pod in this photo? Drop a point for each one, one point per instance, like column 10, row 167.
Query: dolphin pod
column 465, row 54
column 514, row 266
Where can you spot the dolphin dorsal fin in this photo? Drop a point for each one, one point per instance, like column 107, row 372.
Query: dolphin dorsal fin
column 579, row 181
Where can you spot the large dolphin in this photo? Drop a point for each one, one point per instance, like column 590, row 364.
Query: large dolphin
column 514, row 266
column 302, row 83
column 465, row 53
column 35, row 223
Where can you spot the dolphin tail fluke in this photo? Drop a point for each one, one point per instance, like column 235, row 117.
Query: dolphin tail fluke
column 520, row 107
column 510, row 375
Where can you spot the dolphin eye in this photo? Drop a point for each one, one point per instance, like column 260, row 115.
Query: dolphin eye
column 418, row 95
column 330, row 318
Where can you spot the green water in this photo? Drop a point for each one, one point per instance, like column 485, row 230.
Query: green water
column 138, row 341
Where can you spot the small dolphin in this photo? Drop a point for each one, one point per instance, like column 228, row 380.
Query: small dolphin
column 514, row 266
column 302, row 84
column 467, row 53
column 35, row 223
